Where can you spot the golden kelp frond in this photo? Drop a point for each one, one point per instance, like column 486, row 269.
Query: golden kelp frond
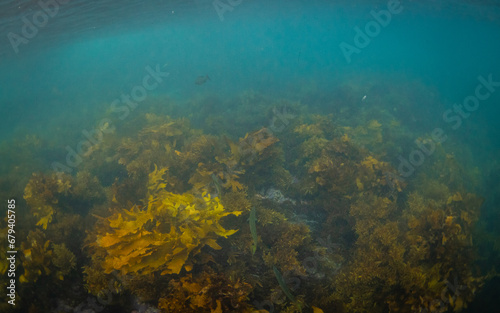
column 222, row 174
column 36, row 257
column 455, row 198
column 49, row 196
column 230, row 179
column 395, row 249
column 268, row 216
column 341, row 168
column 204, row 177
column 369, row 136
column 373, row 207
column 202, row 148
column 42, row 195
column 63, row 259
column 309, row 130
column 41, row 258
column 283, row 241
column 372, row 163
column 321, row 126
column 87, row 189
column 313, row 146
column 162, row 235
column 166, row 130
column 44, row 215
column 156, row 182
column 163, row 126
column 159, row 142
column 236, row 201
column 333, row 170
column 128, row 148
column 45, row 189
column 207, row 292
column 252, row 146
column 374, row 124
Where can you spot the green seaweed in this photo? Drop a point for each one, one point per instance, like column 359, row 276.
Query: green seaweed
column 218, row 185
column 285, row 288
column 253, row 229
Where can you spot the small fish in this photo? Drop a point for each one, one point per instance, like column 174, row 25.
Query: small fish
column 217, row 184
column 285, row 288
column 200, row 80
column 253, row 229
column 364, row 97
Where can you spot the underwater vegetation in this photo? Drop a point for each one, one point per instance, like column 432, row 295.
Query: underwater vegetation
column 311, row 218
column 161, row 235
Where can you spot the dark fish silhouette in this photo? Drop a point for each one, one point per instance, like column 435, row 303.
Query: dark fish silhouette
column 200, row 80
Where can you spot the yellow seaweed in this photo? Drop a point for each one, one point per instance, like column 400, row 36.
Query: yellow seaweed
column 164, row 233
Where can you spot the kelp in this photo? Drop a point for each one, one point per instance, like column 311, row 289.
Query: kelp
column 252, row 222
column 418, row 258
column 206, row 292
column 42, row 194
column 157, row 143
column 161, row 235
column 283, row 241
column 194, row 222
column 51, row 196
column 40, row 258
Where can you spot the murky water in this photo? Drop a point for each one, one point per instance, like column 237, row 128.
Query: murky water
column 236, row 156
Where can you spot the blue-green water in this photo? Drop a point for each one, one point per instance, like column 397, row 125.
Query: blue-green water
column 256, row 46
column 411, row 64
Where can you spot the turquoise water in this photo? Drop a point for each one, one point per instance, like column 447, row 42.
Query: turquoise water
column 255, row 46
column 415, row 63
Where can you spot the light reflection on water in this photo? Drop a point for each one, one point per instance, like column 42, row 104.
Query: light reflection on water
column 78, row 17
column 91, row 17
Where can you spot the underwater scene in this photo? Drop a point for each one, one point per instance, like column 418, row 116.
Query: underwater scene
column 222, row 156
